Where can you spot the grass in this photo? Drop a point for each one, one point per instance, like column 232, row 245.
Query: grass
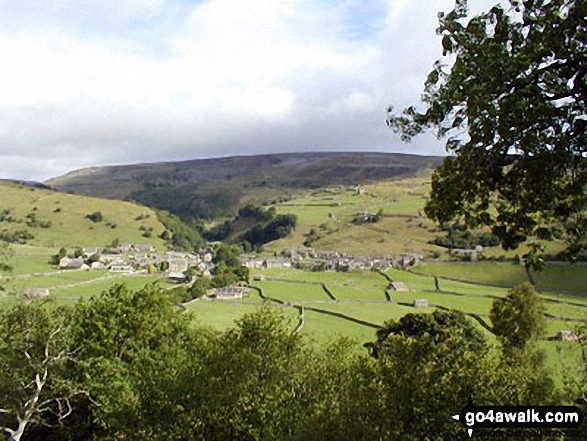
column 324, row 328
column 376, row 314
column 290, row 292
column 55, row 280
column 330, row 213
column 27, row 259
column 221, row 315
column 67, row 216
column 73, row 293
column 561, row 278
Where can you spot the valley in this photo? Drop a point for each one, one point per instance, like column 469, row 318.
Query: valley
column 338, row 221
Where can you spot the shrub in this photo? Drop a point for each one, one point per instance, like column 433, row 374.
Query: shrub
column 95, row 217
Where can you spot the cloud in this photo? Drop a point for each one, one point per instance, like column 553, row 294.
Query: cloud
column 134, row 81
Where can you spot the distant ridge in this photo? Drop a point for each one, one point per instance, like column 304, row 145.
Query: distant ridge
column 33, row 184
column 194, row 188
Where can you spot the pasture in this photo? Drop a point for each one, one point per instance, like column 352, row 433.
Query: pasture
column 360, row 297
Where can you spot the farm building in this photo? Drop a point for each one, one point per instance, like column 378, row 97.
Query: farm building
column 276, row 263
column 144, row 248
column 567, row 335
column 472, row 255
column 397, row 286
column 121, row 268
column 178, row 265
column 123, row 247
column 229, row 292
column 91, row 251
column 421, row 303
column 253, row 263
column 177, row 277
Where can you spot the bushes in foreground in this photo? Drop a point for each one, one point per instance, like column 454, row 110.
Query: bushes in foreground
column 133, row 366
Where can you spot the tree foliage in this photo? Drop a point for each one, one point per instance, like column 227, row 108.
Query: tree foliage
column 510, row 96
column 518, row 318
column 228, row 269
column 148, row 370
column 180, row 234
column 35, row 353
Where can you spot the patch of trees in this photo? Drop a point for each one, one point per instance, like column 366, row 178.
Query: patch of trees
column 228, row 269
column 368, row 218
column 131, row 365
column 280, row 225
column 249, row 211
column 180, row 235
column 33, row 222
column 269, row 226
column 56, row 258
column 459, row 236
column 255, row 212
column 187, row 203
column 6, row 216
column 146, row 231
column 311, row 237
column 219, row 232
column 5, row 254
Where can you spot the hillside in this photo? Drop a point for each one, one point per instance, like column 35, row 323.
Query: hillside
column 208, row 188
column 48, row 218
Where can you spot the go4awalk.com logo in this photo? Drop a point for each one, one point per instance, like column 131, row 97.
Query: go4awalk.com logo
column 504, row 417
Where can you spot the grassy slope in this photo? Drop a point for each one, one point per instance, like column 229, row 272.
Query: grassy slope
column 330, row 213
column 67, row 212
column 404, row 228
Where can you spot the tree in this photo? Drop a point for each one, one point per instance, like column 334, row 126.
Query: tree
column 513, row 108
column 425, row 363
column 199, row 288
column 5, row 254
column 34, row 386
column 133, row 359
column 518, row 317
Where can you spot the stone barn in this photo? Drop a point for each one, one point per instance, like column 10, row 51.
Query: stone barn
column 397, row 286
column 421, row 303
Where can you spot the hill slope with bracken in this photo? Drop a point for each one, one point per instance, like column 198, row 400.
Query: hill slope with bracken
column 207, row 188
column 47, row 218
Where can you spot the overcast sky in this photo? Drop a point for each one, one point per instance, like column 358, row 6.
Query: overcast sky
column 87, row 83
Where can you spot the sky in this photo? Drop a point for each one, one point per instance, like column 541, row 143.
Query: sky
column 86, row 83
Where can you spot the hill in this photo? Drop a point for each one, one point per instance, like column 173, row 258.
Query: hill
column 48, row 218
column 209, row 188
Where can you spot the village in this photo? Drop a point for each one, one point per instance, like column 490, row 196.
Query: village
column 183, row 267
column 130, row 258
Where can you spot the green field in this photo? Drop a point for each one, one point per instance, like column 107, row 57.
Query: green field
column 555, row 277
column 222, row 314
column 360, row 295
